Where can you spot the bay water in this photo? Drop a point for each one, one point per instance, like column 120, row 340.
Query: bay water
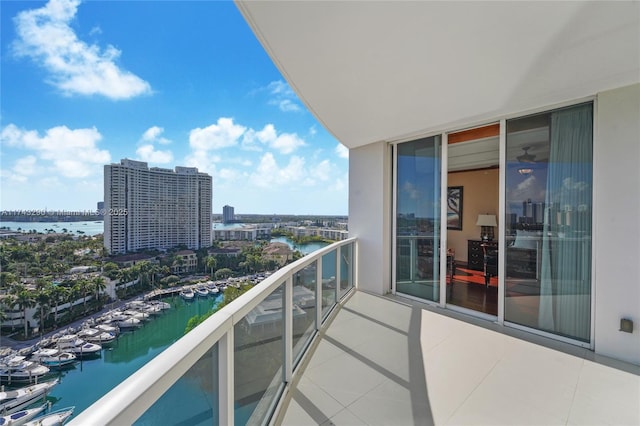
column 88, row 380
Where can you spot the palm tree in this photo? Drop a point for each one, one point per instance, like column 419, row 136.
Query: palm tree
column 25, row 300
column 83, row 287
column 211, row 263
column 43, row 297
column 59, row 294
column 98, row 285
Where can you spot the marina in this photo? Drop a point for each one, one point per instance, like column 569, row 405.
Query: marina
column 80, row 383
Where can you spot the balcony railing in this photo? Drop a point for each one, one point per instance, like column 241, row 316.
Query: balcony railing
column 234, row 367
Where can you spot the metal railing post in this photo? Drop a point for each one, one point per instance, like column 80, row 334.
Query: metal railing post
column 226, row 378
column 318, row 293
column 338, row 277
column 288, row 329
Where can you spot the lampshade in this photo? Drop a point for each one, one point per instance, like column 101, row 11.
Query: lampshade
column 487, row 220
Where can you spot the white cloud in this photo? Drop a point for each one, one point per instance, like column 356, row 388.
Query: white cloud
column 73, row 153
column 152, row 134
column 342, row 151
column 283, row 96
column 268, row 174
column 223, row 134
column 322, row 171
column 285, row 143
column 149, row 154
column 45, row 36
column 24, row 167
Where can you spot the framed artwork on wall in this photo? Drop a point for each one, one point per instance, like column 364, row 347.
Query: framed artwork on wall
column 454, row 208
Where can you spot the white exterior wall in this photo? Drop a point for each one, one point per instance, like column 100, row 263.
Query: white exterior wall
column 617, row 222
column 370, row 215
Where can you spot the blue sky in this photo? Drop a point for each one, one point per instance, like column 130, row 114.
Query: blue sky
column 173, row 83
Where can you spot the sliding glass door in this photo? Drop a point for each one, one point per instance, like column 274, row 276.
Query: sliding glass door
column 548, row 221
column 417, row 219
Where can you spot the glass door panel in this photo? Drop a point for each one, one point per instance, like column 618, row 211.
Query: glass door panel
column 548, row 221
column 417, row 220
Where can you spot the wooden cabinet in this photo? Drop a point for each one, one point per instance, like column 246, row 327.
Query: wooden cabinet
column 475, row 255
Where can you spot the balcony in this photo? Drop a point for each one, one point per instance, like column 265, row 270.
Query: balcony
column 306, row 346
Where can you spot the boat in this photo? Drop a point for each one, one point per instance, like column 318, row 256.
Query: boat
column 79, row 347
column 162, row 305
column 152, row 309
column 187, row 294
column 54, row 418
column 21, row 417
column 94, row 335
column 141, row 316
column 16, row 369
column 124, row 322
column 53, row 357
column 107, row 328
column 15, row 400
column 202, row 292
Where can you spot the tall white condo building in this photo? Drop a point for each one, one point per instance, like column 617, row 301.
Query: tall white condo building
column 155, row 208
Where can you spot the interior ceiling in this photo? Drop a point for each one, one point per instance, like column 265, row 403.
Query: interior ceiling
column 387, row 71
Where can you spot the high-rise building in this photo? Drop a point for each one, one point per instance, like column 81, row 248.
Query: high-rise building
column 155, row 208
column 227, row 214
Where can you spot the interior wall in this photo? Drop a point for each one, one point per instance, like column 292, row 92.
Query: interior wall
column 617, row 222
column 479, row 196
column 370, row 215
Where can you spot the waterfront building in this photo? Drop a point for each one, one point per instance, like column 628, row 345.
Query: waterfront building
column 429, row 96
column 185, row 261
column 228, row 216
column 311, row 231
column 155, row 208
column 243, row 233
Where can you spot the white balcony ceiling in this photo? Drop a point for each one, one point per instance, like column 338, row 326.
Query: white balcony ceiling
column 383, row 71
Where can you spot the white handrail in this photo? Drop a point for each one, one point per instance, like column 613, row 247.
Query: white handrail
column 134, row 396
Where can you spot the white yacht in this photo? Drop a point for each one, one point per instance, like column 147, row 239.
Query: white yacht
column 81, row 348
column 53, row 357
column 15, row 400
column 16, row 369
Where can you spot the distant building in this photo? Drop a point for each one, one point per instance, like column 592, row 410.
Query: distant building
column 155, row 208
column 185, row 261
column 280, row 253
column 228, row 215
column 100, row 208
column 244, row 233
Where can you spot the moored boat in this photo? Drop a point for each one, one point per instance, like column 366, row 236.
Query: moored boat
column 15, row 400
column 16, row 369
column 53, row 357
column 202, row 292
column 94, row 335
column 81, row 348
column 187, row 294
column 108, row 328
column 54, row 418
column 21, row 417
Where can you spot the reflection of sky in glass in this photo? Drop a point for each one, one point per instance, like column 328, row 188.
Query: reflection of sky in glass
column 525, row 187
column 418, row 179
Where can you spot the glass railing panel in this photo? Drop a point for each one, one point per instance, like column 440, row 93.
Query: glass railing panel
column 328, row 282
column 346, row 268
column 196, row 395
column 258, row 359
column 304, row 307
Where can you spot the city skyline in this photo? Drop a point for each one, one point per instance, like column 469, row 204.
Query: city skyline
column 169, row 83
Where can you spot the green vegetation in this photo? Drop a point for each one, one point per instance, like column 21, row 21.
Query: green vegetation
column 230, row 294
column 38, row 274
column 279, row 232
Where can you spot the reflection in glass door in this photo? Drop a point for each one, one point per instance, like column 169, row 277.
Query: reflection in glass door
column 417, row 219
column 548, row 221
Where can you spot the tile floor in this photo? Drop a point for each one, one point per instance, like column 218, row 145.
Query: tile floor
column 388, row 361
